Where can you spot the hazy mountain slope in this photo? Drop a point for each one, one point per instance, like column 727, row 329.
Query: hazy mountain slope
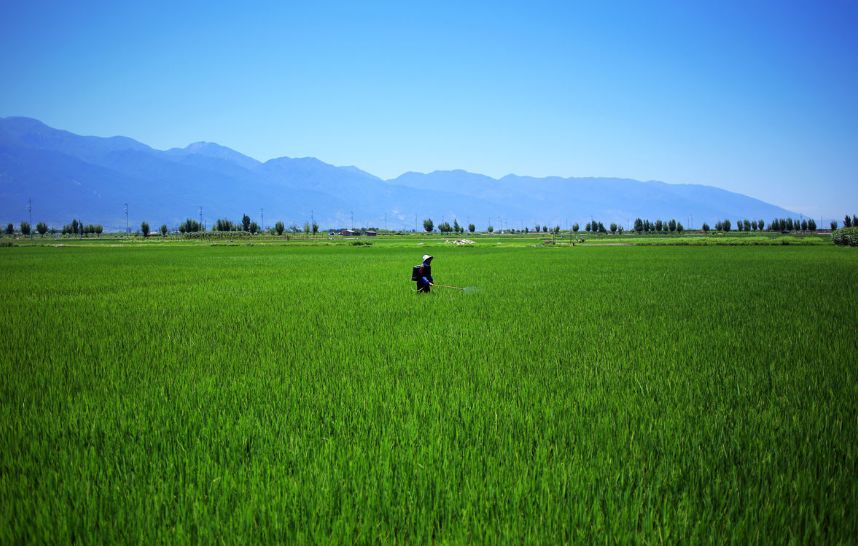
column 68, row 175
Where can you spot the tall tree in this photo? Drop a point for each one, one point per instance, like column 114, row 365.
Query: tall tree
column 847, row 221
column 639, row 225
column 575, row 227
column 705, row 227
column 428, row 225
column 472, row 228
column 245, row 223
column 164, row 230
column 144, row 227
column 10, row 229
column 25, row 228
column 190, row 226
column 42, row 228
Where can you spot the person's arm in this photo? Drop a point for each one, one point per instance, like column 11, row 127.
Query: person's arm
column 426, row 281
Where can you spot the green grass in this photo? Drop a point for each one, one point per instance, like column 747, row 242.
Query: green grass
column 197, row 393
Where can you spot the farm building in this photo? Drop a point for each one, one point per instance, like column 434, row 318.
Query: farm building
column 348, row 233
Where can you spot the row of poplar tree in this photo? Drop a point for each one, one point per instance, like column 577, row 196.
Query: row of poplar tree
column 76, row 227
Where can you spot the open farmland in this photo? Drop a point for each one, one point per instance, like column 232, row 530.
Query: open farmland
column 190, row 393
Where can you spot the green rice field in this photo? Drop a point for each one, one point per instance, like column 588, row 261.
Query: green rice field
column 301, row 393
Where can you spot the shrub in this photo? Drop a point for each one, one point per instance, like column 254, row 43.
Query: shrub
column 846, row 236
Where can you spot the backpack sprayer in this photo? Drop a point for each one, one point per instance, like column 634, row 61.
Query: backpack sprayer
column 417, row 273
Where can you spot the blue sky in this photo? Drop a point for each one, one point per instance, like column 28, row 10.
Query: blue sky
column 754, row 97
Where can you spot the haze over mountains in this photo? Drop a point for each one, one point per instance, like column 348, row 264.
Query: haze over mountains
column 90, row 178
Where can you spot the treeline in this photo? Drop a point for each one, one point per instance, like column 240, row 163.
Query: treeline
column 598, row 227
column 76, row 227
column 788, row 224
column 848, row 221
column 659, row 226
column 224, row 225
column 445, row 227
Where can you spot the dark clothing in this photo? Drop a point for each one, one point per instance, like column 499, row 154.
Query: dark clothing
column 424, row 278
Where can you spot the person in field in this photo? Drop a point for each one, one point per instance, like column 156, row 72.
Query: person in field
column 422, row 275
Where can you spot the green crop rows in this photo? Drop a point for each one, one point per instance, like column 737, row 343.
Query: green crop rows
column 158, row 394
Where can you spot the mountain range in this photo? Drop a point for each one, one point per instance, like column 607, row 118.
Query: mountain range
column 68, row 176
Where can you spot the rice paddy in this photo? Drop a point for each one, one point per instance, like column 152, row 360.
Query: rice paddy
column 306, row 394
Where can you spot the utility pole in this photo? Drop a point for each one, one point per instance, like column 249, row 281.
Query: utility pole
column 262, row 218
column 30, row 212
column 127, row 231
column 201, row 219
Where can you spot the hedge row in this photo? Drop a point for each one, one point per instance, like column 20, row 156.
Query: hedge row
column 845, row 236
column 217, row 235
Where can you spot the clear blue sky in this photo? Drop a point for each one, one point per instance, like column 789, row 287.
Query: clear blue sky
column 755, row 97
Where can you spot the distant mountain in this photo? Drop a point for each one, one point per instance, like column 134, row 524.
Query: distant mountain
column 216, row 151
column 90, row 178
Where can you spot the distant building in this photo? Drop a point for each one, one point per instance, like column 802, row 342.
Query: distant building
column 371, row 234
column 348, row 233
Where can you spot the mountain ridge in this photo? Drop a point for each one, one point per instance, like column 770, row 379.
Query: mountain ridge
column 90, row 177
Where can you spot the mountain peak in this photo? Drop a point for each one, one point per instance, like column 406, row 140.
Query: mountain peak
column 216, row 151
column 23, row 123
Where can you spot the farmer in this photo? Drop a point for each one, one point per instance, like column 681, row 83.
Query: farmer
column 424, row 276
